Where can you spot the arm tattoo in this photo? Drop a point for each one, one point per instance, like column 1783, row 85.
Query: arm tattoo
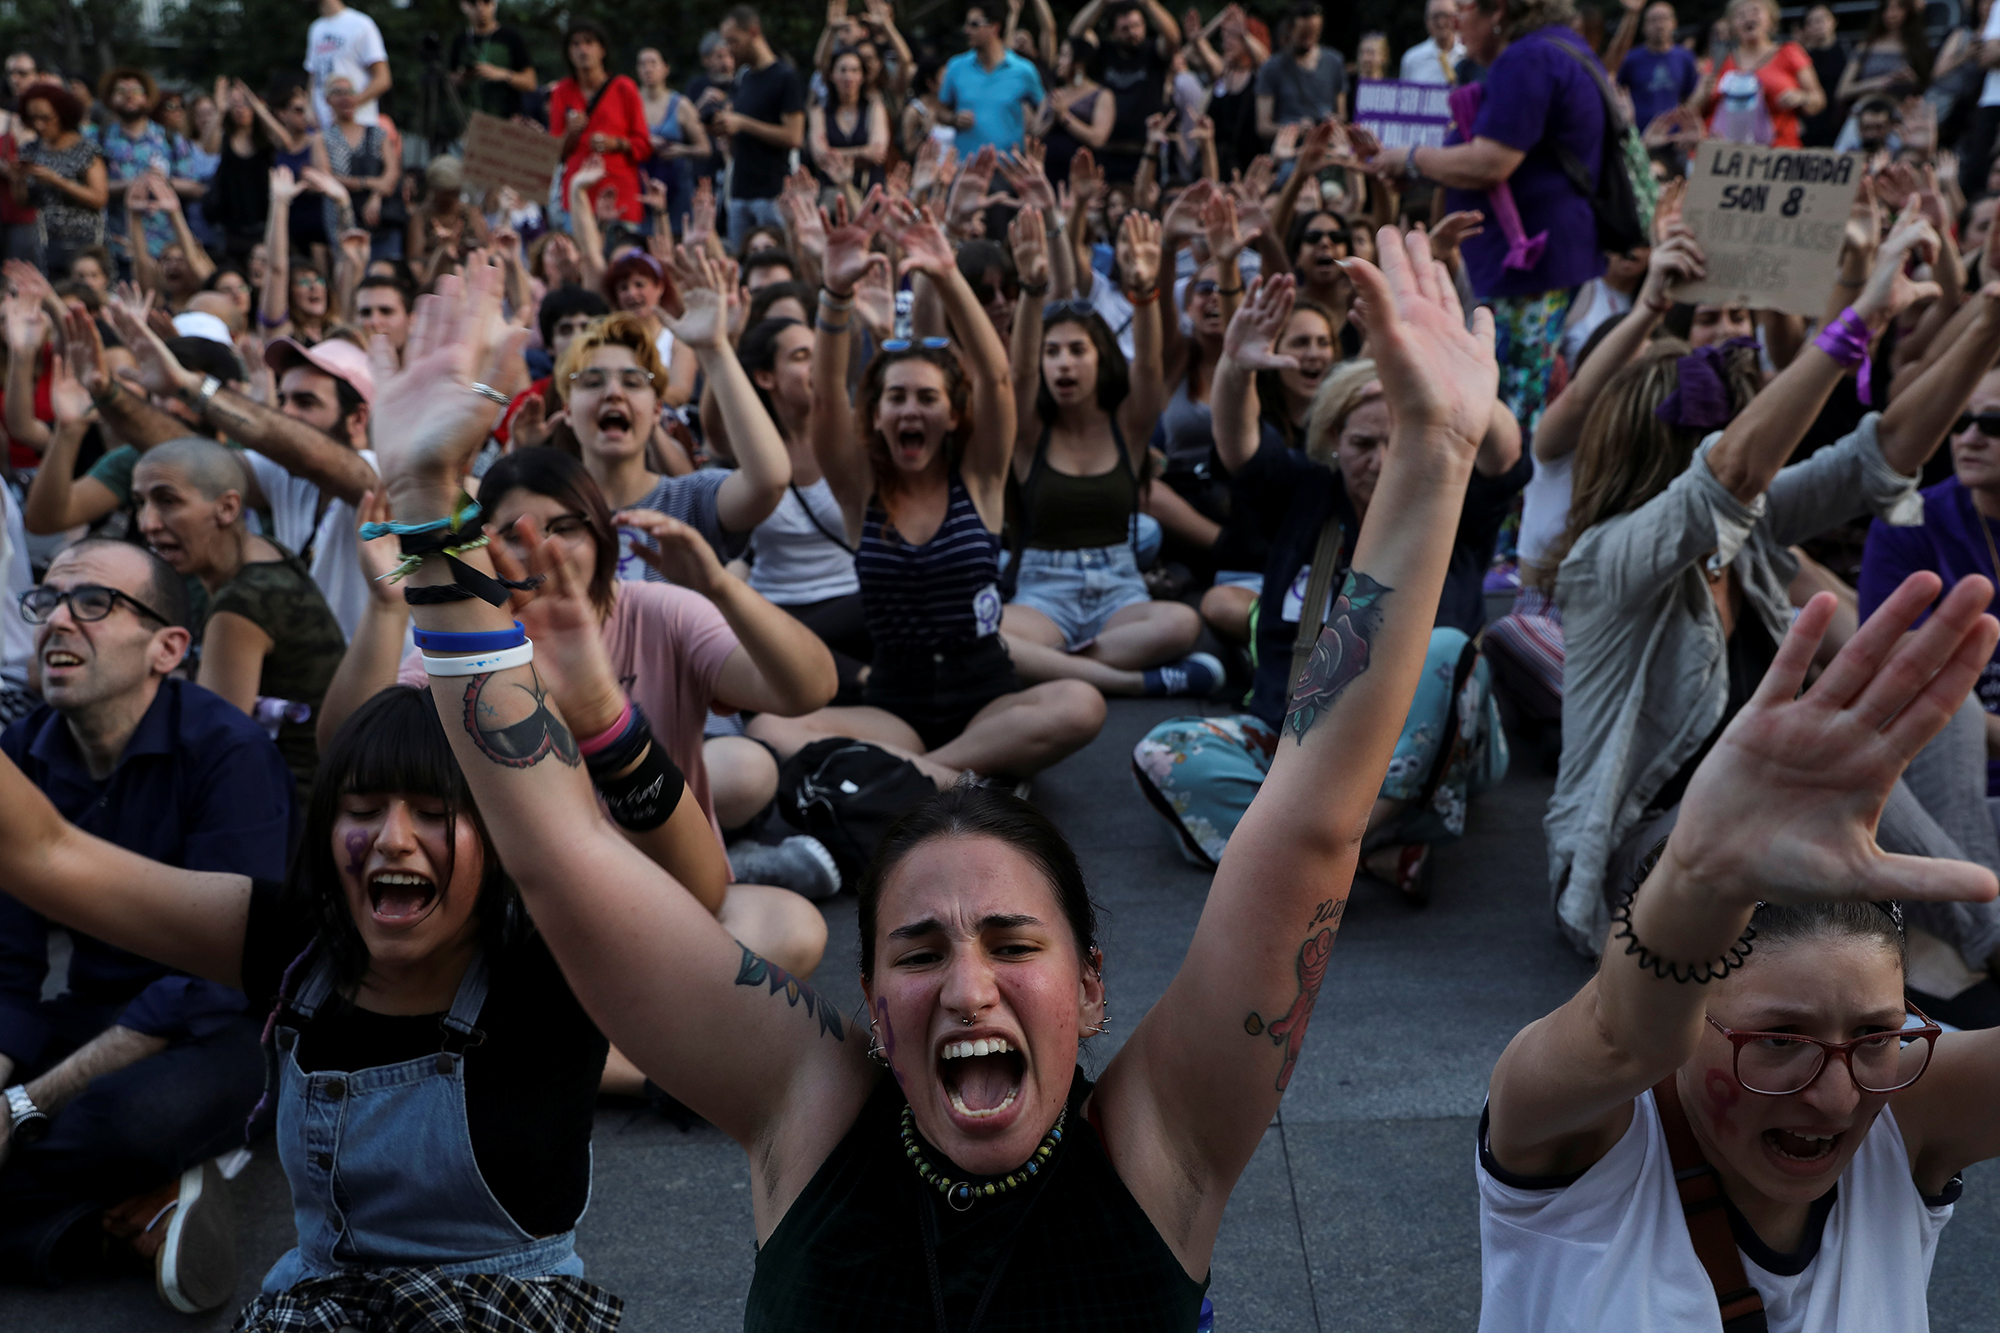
column 1341, row 654
column 526, row 741
column 755, row 971
column 1290, row 1031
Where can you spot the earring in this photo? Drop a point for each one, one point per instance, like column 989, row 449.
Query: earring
column 875, row 1051
column 1103, row 1023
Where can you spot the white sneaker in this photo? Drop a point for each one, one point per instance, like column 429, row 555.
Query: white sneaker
column 195, row 1269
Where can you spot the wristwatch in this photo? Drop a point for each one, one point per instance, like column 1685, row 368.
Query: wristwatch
column 202, row 395
column 30, row 1123
column 1410, row 164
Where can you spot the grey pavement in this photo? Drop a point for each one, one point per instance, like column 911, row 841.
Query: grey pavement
column 1358, row 1212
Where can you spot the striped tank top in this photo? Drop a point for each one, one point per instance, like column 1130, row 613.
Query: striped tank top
column 945, row 591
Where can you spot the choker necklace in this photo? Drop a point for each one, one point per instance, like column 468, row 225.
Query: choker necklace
column 962, row 1194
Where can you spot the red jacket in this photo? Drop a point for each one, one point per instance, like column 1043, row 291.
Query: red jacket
column 621, row 114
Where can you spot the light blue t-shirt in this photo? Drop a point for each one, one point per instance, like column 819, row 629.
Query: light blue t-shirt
column 997, row 99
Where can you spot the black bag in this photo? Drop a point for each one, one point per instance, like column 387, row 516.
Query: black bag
column 847, row 793
column 1624, row 217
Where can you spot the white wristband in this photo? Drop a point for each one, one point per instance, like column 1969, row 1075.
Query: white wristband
column 480, row 664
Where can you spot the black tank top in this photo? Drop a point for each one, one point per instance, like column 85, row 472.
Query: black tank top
column 1065, row 513
column 1081, row 1255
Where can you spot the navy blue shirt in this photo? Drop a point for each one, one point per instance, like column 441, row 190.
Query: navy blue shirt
column 1659, row 81
column 200, row 786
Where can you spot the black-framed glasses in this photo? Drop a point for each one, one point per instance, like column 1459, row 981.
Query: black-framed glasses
column 1778, row 1064
column 87, row 602
column 631, row 379
column 1988, row 423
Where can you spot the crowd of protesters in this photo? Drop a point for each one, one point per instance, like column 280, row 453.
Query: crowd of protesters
column 456, row 639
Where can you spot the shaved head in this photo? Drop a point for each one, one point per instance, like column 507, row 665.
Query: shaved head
column 205, row 466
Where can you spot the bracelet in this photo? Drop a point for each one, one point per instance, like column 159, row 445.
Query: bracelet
column 1029, row 289
column 481, row 664
column 825, row 327
column 588, row 748
column 1659, row 966
column 1846, row 341
column 1143, row 298
column 645, row 797
column 620, row 748
column 834, row 301
column 478, row 641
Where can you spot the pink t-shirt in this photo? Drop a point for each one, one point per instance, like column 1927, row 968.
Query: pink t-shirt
column 667, row 646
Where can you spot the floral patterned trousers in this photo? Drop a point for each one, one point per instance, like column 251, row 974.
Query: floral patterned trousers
column 1201, row 773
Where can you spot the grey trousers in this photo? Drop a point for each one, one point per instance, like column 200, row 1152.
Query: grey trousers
column 1937, row 809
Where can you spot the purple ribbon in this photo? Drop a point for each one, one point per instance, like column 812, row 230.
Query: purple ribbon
column 1846, row 341
column 1700, row 401
column 1523, row 251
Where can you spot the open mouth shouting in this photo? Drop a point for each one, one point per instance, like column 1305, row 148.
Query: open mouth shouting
column 400, row 898
column 1801, row 1154
column 981, row 1077
column 910, row 441
column 614, row 419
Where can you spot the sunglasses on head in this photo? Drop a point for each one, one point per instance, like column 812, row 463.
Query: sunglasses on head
column 1988, row 423
column 905, row 344
column 1205, row 287
column 1061, row 310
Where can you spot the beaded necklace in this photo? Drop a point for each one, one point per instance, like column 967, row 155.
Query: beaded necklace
column 962, row 1194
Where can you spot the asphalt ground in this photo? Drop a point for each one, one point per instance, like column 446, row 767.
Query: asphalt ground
column 1358, row 1213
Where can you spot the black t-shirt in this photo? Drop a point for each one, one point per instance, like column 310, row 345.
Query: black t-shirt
column 768, row 95
column 1137, row 78
column 530, row 1087
column 1311, row 493
column 503, row 47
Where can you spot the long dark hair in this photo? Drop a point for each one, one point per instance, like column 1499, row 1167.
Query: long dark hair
column 759, row 351
column 1916, row 42
column 1114, row 375
column 543, row 470
column 966, row 811
column 889, row 483
column 392, row 743
column 1271, row 402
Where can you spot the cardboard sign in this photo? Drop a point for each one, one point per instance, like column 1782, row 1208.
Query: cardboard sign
column 1769, row 221
column 1401, row 114
column 499, row 152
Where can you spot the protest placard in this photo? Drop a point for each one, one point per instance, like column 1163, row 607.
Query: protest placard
column 1401, row 114
column 1769, row 221
column 499, row 152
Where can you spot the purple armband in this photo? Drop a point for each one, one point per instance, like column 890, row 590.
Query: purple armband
column 1846, row 341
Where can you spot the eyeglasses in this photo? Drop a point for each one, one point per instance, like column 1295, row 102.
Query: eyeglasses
column 87, row 602
column 1778, row 1064
column 562, row 527
column 631, row 379
column 308, row 279
column 984, row 292
column 1988, row 423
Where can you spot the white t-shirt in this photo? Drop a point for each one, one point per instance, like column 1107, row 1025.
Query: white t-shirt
column 327, row 546
column 1611, row 1250
column 1421, row 63
column 1544, row 508
column 799, row 554
column 348, row 43
column 1597, row 302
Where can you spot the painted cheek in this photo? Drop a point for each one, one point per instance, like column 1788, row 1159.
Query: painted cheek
column 1723, row 1094
column 356, row 843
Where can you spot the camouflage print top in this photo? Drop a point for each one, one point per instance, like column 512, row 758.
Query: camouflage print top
column 280, row 598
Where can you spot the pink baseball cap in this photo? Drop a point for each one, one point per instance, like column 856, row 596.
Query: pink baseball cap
column 336, row 357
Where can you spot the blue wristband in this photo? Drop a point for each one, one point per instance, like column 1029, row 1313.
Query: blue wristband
column 483, row 641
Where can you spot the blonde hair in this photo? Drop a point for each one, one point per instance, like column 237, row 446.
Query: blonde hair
column 619, row 329
column 1344, row 389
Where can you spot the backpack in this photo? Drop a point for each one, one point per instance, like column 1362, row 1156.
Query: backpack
column 1626, row 193
column 847, row 793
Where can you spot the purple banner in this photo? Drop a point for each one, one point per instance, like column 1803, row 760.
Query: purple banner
column 1401, row 114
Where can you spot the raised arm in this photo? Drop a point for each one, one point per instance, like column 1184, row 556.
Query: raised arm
column 652, row 967
column 56, row 498
column 1247, row 345
column 1080, row 27
column 274, row 302
column 186, row 919
column 831, row 430
column 131, row 416
column 1202, row 1074
column 1029, row 240
column 27, row 331
column 1783, row 809
column 375, row 653
column 1139, row 261
column 1919, row 418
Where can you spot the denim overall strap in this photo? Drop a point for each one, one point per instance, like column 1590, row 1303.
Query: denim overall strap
column 381, row 1164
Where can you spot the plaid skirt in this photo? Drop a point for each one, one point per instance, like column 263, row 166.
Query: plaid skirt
column 423, row 1300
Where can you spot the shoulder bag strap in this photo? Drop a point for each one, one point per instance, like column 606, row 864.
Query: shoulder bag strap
column 1700, row 1189
column 1312, row 616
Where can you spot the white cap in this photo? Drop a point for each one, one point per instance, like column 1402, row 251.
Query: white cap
column 201, row 324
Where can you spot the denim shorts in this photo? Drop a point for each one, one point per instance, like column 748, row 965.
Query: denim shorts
column 1079, row 590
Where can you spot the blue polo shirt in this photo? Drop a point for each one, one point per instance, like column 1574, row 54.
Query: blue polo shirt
column 997, row 99
column 199, row 786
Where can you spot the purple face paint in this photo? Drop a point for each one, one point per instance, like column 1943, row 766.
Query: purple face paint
column 357, row 850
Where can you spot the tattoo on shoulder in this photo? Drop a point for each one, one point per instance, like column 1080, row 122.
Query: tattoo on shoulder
column 533, row 735
column 755, row 971
column 1289, row 1031
column 1341, row 654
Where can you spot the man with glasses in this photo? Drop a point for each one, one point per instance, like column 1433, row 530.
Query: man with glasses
column 1433, row 59
column 1957, row 537
column 996, row 85
column 120, row 1090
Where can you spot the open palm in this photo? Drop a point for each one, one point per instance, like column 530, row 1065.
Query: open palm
column 1254, row 328
column 1436, row 373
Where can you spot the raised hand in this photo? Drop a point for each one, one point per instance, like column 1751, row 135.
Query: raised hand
column 83, row 349
column 570, row 655
column 27, row 280
column 1454, row 230
column 1023, row 172
column 653, row 195
column 1254, row 329
column 1030, row 246
column 1226, row 237
column 157, row 371
column 1667, row 212
column 1890, row 289
column 922, row 241
column 1437, row 375
column 380, row 556
column 875, row 301
column 27, row 327
column 1316, row 145
column 285, row 187
column 802, row 220
column 702, row 323
column 323, row 181
column 698, row 227
column 1183, row 217
column 1139, row 251
column 930, row 166
column 848, row 257
column 1086, row 179
column 1674, row 261
column 533, row 424
column 354, row 247
column 70, row 399
column 1784, row 808
column 898, row 181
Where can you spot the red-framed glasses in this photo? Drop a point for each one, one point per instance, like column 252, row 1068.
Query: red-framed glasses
column 1778, row 1064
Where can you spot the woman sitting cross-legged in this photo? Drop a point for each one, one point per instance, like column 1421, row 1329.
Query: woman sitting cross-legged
column 1081, row 609
column 1746, row 1041
column 968, row 1172
column 436, row 1078
column 1201, row 772
column 920, row 470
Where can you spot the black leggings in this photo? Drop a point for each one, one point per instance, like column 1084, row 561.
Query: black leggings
column 838, row 623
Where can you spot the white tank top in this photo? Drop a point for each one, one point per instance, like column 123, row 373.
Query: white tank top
column 795, row 559
column 1611, row 1249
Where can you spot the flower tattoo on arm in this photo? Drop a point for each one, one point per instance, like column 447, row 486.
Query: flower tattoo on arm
column 535, row 732
column 755, row 971
column 1341, row 654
